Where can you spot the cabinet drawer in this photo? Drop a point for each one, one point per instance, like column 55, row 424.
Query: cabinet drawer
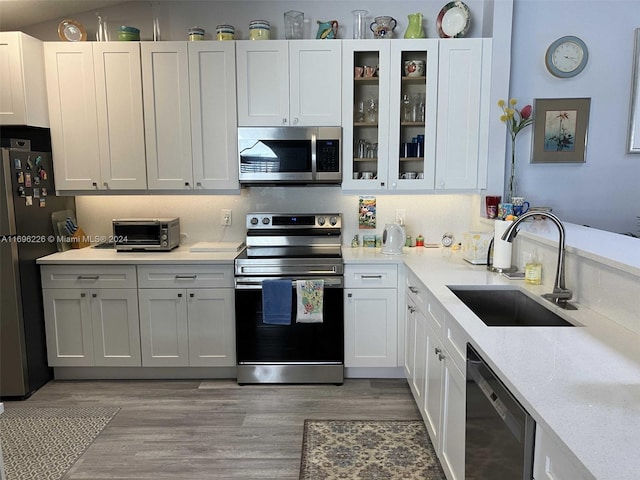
column 185, row 276
column 418, row 292
column 371, row 276
column 455, row 342
column 93, row 276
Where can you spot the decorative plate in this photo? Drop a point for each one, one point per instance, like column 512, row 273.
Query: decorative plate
column 453, row 20
column 71, row 31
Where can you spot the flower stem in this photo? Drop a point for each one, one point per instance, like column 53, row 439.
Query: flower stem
column 512, row 176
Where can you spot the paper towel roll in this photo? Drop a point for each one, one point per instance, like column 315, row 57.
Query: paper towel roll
column 501, row 248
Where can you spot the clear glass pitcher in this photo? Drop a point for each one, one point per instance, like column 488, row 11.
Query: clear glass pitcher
column 293, row 25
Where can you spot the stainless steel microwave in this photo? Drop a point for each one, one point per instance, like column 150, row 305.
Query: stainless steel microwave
column 146, row 234
column 290, row 155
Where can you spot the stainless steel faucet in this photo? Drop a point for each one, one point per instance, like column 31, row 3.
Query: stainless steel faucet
column 561, row 294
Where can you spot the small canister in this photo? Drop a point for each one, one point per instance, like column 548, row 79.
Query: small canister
column 419, row 241
column 259, row 30
column 225, row 32
column 408, row 242
column 196, row 33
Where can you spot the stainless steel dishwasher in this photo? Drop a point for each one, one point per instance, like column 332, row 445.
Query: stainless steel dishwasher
column 499, row 433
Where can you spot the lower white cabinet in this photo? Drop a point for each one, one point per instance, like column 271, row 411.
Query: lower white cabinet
column 87, row 324
column 434, row 375
column 188, row 319
column 371, row 316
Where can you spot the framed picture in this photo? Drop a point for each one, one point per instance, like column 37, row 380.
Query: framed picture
column 634, row 114
column 560, row 130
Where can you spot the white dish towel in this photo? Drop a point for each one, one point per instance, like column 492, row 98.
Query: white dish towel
column 310, row 295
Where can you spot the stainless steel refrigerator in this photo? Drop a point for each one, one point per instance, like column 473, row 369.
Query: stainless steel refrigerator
column 27, row 200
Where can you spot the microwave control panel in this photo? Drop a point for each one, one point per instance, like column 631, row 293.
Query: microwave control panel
column 328, row 155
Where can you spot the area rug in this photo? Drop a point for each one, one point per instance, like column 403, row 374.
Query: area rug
column 368, row 449
column 43, row 443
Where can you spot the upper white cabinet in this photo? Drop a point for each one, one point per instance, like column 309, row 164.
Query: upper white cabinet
column 95, row 107
column 190, row 115
column 289, row 83
column 464, row 76
column 23, row 96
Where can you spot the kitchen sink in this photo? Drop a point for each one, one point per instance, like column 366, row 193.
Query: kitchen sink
column 507, row 307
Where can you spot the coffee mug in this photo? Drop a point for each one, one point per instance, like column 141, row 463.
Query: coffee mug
column 517, row 200
column 504, row 210
column 358, row 71
column 369, row 71
column 367, row 175
column 408, row 175
column 356, row 175
column 520, row 209
column 420, row 176
column 414, row 68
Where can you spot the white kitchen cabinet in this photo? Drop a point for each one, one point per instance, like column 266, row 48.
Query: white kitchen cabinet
column 23, row 96
column 187, row 315
column 464, row 76
column 95, row 107
column 88, row 321
column 190, row 115
column 385, row 130
column 438, row 383
column 553, row 461
column 371, row 316
column 289, row 83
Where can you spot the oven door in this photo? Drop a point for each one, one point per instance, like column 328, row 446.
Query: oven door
column 259, row 345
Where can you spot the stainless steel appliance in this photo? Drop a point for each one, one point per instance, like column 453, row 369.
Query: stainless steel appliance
column 290, row 155
column 146, row 234
column 295, row 247
column 499, row 433
column 27, row 200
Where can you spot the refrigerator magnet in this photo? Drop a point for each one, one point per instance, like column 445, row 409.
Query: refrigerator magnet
column 38, row 159
column 29, row 163
column 17, row 164
column 36, row 180
column 43, row 192
column 20, row 177
column 42, row 202
column 21, row 191
column 28, row 200
column 36, row 193
column 27, row 180
column 43, row 174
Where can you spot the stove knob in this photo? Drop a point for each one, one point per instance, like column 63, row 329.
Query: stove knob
column 254, row 221
column 321, row 221
column 333, row 221
column 266, row 220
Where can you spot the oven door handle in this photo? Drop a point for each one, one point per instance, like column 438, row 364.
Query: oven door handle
column 256, row 283
column 282, row 270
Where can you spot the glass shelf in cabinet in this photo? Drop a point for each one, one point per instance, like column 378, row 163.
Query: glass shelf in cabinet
column 366, row 79
column 412, row 124
column 365, row 159
column 365, row 124
column 421, row 79
column 411, row 159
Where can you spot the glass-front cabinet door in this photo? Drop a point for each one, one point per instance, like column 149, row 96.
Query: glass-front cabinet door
column 366, row 124
column 389, row 134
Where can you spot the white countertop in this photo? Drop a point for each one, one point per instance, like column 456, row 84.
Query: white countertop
column 109, row 256
column 582, row 384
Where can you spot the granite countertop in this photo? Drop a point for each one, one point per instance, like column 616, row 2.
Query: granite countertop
column 101, row 256
column 581, row 384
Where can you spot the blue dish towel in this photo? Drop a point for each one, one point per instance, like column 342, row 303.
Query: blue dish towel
column 276, row 301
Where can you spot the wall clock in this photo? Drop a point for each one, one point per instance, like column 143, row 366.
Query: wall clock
column 566, row 57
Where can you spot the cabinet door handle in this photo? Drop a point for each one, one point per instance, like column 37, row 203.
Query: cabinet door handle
column 413, row 289
column 94, row 295
column 191, row 295
column 82, row 295
column 441, row 357
column 88, row 277
column 284, row 121
column 94, row 184
column 371, row 276
column 179, row 295
column 295, row 121
column 411, row 309
column 438, row 351
column 186, row 277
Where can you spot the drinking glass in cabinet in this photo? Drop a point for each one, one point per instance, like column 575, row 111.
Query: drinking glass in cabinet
column 358, row 114
column 372, row 111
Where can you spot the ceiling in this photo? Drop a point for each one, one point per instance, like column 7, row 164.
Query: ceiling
column 16, row 14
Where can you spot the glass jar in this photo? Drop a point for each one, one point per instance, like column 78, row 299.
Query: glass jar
column 225, row 32
column 196, row 33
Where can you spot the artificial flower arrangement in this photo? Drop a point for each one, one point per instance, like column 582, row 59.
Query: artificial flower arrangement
column 515, row 120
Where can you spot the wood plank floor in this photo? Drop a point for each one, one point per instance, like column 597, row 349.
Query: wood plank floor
column 192, row 430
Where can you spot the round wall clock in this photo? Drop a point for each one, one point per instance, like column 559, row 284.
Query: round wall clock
column 566, row 57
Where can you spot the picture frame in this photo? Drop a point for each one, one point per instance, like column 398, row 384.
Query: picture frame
column 560, row 130
column 633, row 143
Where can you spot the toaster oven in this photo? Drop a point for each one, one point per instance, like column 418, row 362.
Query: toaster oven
column 146, row 234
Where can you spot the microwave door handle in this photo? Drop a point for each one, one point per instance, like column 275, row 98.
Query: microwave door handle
column 314, row 168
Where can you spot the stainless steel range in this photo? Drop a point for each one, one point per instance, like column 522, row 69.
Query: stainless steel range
column 275, row 343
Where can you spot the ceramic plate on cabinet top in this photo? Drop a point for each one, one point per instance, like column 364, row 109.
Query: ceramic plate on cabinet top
column 453, row 20
column 71, row 31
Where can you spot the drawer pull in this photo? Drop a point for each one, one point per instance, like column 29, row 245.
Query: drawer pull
column 411, row 309
column 371, row 276
column 438, row 351
column 186, row 277
column 88, row 277
column 413, row 289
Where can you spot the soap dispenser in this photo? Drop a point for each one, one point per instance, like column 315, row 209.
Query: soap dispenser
column 533, row 270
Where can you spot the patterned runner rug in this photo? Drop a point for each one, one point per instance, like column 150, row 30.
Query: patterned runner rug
column 43, row 443
column 367, row 449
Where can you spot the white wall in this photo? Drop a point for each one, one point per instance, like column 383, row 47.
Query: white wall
column 604, row 192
